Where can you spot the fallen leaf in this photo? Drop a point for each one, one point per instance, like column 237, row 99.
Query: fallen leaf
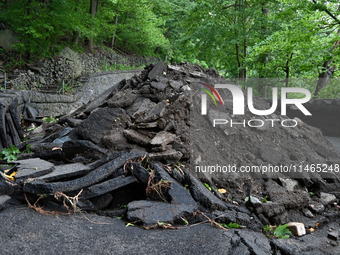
column 222, row 191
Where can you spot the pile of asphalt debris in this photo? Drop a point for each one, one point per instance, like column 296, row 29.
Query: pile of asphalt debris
column 128, row 153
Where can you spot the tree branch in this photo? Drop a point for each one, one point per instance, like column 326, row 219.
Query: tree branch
column 329, row 13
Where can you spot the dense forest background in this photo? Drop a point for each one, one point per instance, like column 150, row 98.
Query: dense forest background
column 242, row 39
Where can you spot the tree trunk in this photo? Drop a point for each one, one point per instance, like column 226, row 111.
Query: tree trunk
column 286, row 69
column 328, row 68
column 324, row 76
column 93, row 11
column 263, row 57
column 75, row 37
column 242, row 71
column 114, row 34
column 327, row 71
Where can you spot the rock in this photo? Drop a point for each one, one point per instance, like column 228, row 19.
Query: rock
column 166, row 156
column 84, row 148
column 42, row 81
column 299, row 122
column 257, row 244
column 201, row 194
column 178, row 194
column 161, row 148
column 185, row 88
column 74, row 60
column 155, row 113
column 101, row 120
column 60, row 141
column 157, row 70
column 72, row 122
column 115, row 140
column 176, row 85
column 140, row 107
column 146, row 125
column 289, row 184
column 32, row 168
column 317, row 207
column 136, row 137
column 308, row 213
column 8, row 188
column 4, row 199
column 255, row 201
column 280, row 195
column 314, row 244
column 140, row 173
column 297, row 228
column 270, row 209
column 234, row 216
column 162, row 138
column 152, row 212
column 326, row 198
column 122, row 99
column 334, row 235
column 107, row 186
column 158, row 85
column 66, row 172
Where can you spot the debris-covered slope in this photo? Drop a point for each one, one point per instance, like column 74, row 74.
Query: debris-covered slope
column 136, row 145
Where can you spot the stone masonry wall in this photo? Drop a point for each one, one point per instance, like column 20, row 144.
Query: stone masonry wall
column 68, row 67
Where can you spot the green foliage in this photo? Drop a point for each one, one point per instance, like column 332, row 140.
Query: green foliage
column 50, row 119
column 254, row 39
column 67, row 87
column 45, row 27
column 185, row 221
column 10, row 154
column 41, row 25
column 282, row 232
column 28, row 148
column 267, row 228
column 230, row 225
column 207, row 186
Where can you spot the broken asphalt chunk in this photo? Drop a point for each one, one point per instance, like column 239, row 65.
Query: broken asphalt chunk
column 107, row 186
column 136, row 137
column 178, row 194
column 152, row 212
column 162, row 138
column 66, row 171
column 155, row 113
column 166, row 156
column 31, row 168
column 157, row 70
column 93, row 177
column 201, row 194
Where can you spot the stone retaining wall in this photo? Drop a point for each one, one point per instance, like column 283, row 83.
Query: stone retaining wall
column 57, row 105
column 68, row 67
